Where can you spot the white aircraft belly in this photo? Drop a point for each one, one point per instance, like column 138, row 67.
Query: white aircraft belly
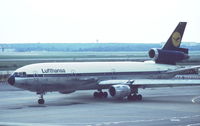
column 54, row 83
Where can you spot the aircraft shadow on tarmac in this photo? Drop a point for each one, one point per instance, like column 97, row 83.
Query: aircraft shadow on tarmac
column 88, row 99
column 169, row 100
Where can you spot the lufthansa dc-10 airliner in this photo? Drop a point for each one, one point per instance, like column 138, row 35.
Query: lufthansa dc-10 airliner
column 122, row 79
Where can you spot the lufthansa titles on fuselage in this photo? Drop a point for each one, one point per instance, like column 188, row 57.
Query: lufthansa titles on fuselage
column 50, row 70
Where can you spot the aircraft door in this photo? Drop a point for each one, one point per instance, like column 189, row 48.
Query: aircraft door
column 113, row 76
column 36, row 82
column 35, row 76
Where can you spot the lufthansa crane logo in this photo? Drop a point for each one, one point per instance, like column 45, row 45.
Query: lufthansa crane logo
column 176, row 39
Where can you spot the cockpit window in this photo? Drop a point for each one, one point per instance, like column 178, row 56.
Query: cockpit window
column 20, row 74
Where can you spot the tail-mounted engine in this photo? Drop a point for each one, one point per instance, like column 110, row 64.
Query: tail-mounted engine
column 168, row 56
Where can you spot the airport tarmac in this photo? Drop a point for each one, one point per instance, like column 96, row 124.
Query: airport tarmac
column 161, row 106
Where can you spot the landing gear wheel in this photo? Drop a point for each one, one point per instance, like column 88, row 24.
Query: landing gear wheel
column 100, row 94
column 96, row 94
column 41, row 101
column 139, row 97
column 129, row 97
column 105, row 94
column 134, row 97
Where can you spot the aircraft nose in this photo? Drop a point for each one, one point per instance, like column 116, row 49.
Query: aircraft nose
column 11, row 80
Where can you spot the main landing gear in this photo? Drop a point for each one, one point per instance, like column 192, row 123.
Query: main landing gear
column 100, row 94
column 134, row 96
column 41, row 100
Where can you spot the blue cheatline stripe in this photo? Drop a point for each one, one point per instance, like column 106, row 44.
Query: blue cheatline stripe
column 92, row 74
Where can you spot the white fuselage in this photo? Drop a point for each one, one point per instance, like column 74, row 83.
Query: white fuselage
column 71, row 76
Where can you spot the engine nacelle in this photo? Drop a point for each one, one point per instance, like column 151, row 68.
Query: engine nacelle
column 167, row 56
column 119, row 91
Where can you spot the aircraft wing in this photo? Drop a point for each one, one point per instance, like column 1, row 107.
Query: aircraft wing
column 151, row 83
column 184, row 70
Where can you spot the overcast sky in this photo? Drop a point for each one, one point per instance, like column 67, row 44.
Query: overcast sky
column 135, row 21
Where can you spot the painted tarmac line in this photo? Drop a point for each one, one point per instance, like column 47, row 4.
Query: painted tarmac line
column 172, row 119
column 196, row 99
column 195, row 124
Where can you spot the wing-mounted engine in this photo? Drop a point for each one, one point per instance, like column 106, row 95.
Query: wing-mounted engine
column 119, row 91
column 168, row 56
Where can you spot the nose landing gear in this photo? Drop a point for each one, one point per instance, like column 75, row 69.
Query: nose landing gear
column 41, row 99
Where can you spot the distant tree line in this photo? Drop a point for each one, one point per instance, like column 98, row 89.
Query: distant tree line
column 84, row 47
